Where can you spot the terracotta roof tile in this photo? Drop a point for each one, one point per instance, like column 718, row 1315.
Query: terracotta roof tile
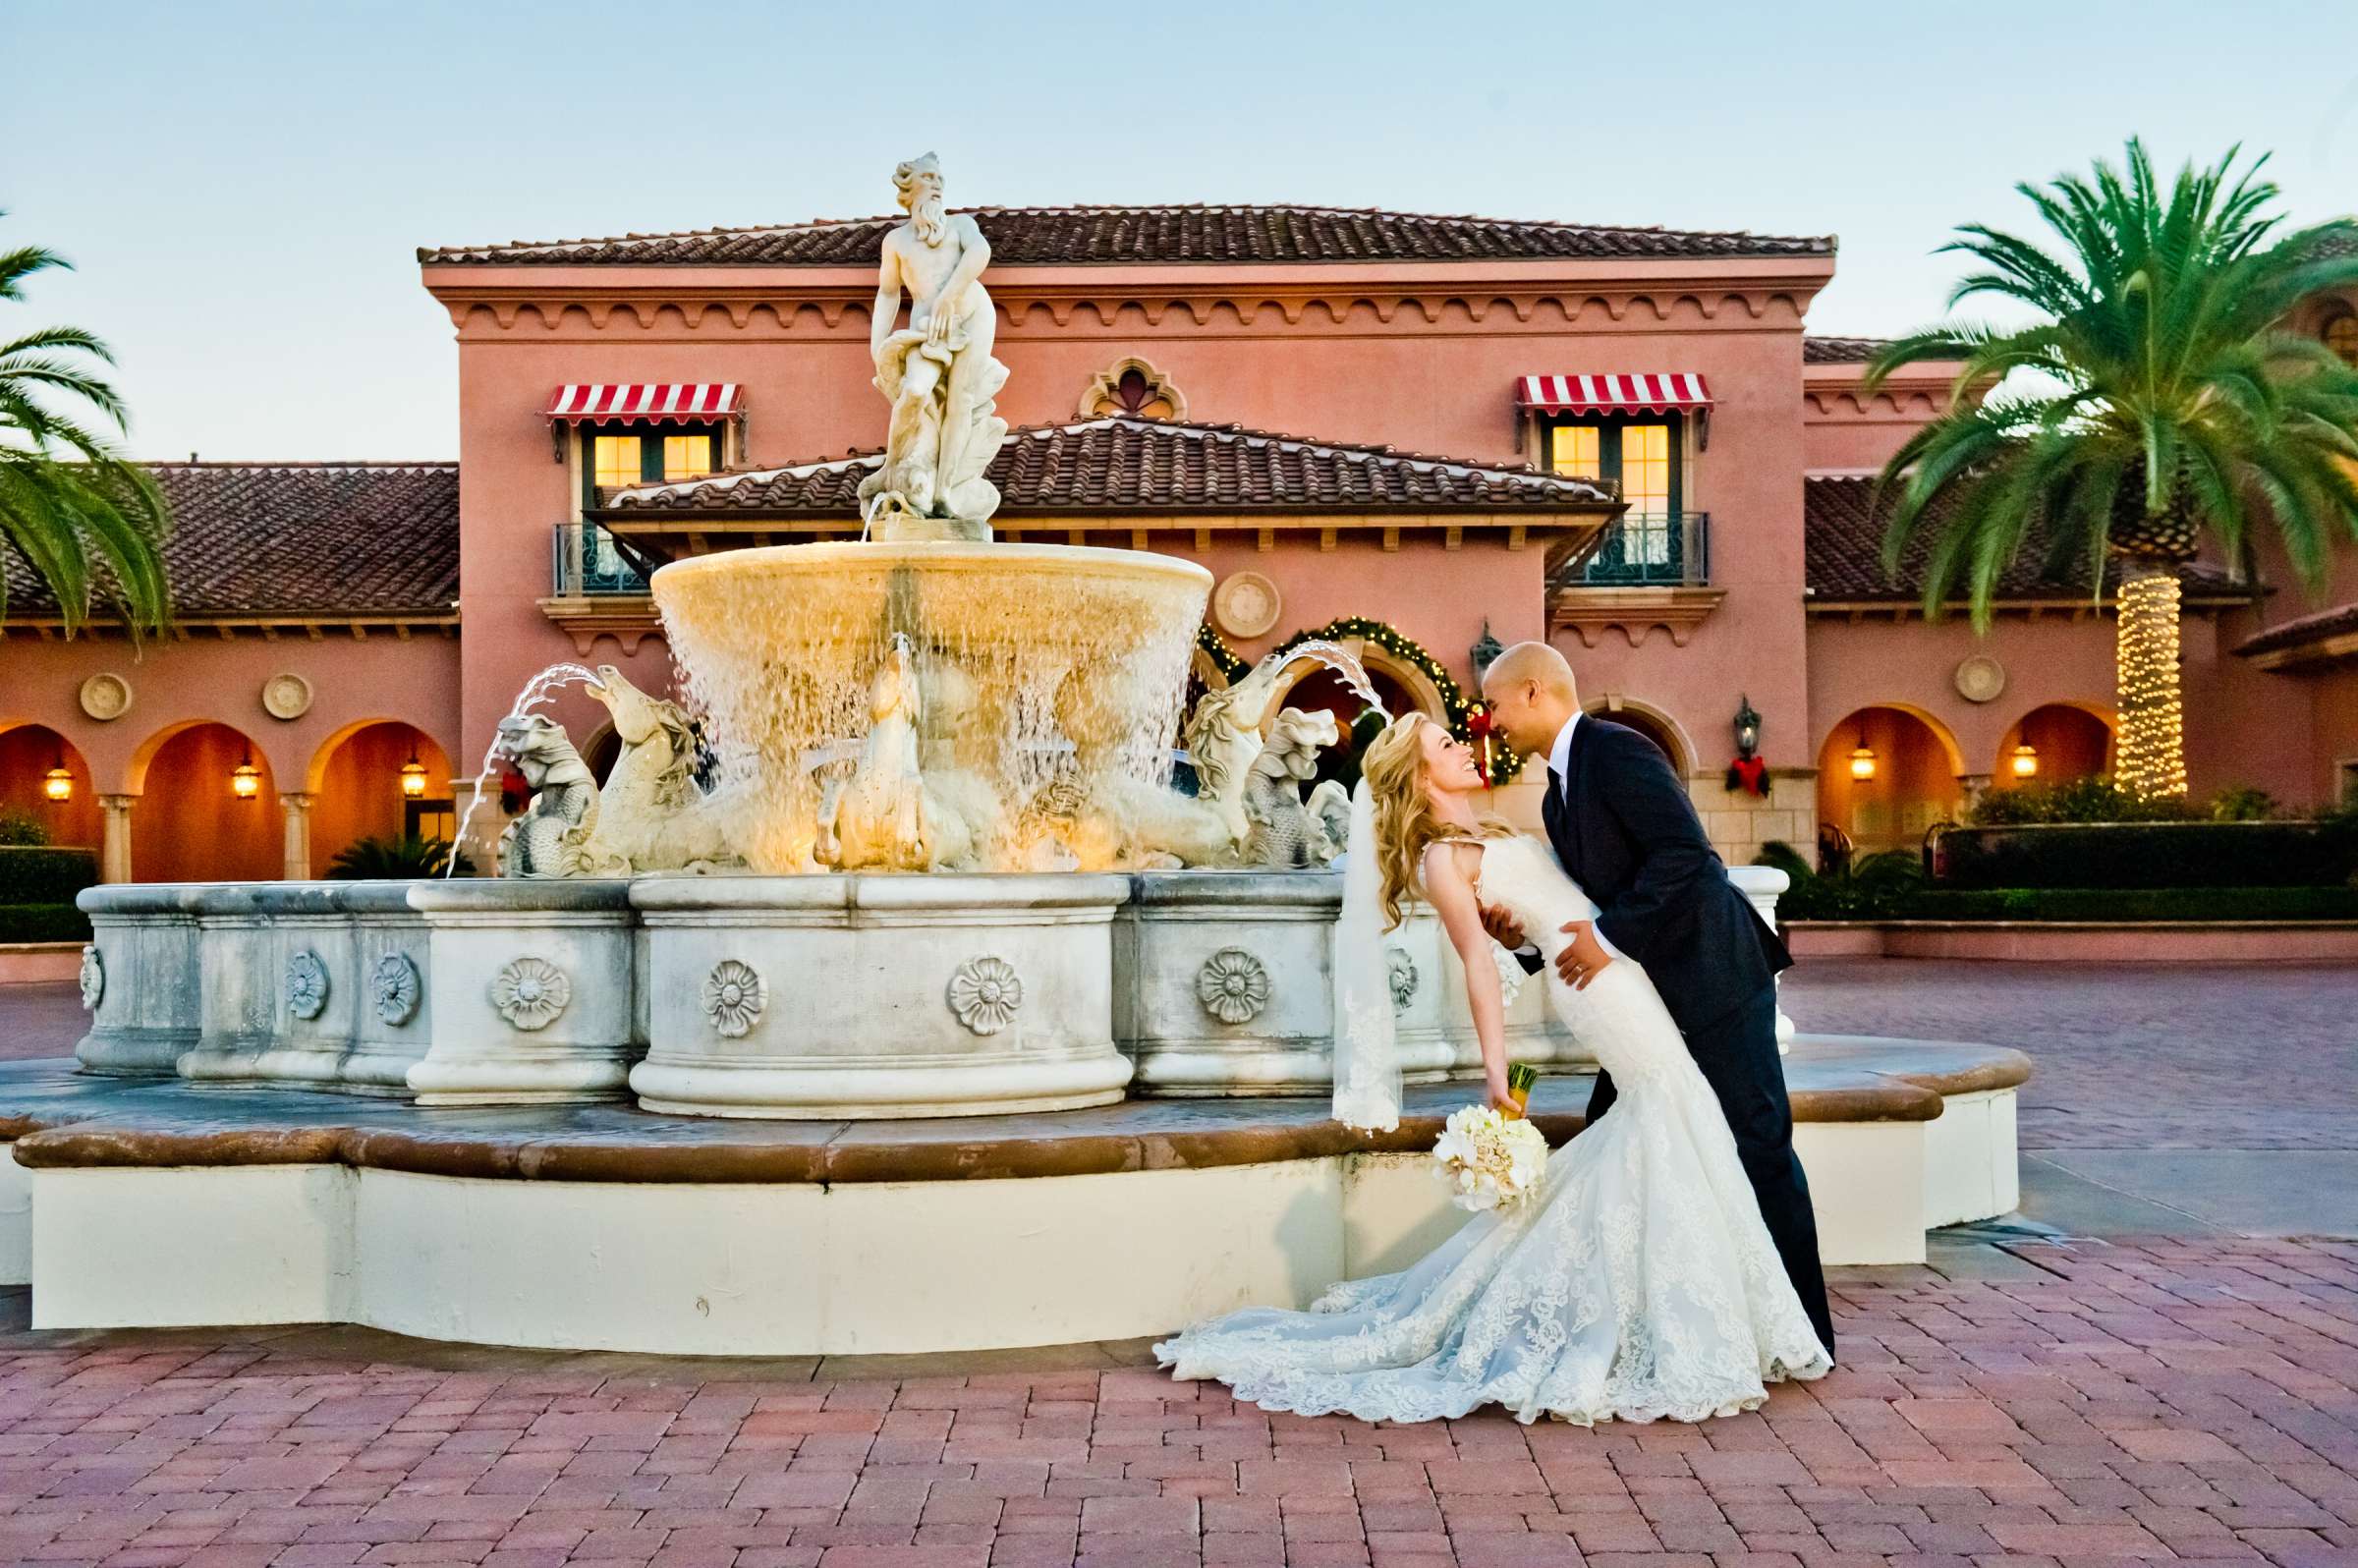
column 299, row 539
column 2333, row 622
column 1844, row 555
column 1154, row 236
column 1841, row 350
column 1123, row 464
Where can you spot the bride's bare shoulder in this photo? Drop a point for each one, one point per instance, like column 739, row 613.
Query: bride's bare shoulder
column 1455, row 859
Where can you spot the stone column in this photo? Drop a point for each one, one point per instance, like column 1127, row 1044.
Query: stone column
column 1975, row 786
column 114, row 859
column 297, row 808
column 1761, row 885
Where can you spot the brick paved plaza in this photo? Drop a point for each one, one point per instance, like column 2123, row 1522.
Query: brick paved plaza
column 2022, row 1401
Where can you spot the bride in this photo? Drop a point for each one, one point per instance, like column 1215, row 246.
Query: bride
column 1639, row 1283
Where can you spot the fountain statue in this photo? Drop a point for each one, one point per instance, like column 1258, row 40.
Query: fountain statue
column 937, row 373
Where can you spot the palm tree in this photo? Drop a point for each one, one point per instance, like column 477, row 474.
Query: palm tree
column 79, row 516
column 2159, row 400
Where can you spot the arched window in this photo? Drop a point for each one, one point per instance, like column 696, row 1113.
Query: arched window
column 1136, row 389
column 2342, row 336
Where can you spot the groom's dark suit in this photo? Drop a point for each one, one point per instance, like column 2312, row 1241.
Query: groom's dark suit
column 1625, row 830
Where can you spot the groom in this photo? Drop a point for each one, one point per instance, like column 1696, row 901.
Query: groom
column 1624, row 829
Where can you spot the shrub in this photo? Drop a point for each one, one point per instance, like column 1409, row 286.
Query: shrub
column 43, row 923
column 393, row 859
column 2095, row 799
column 2242, row 805
column 45, row 875
column 2149, row 854
column 17, row 828
column 1867, row 886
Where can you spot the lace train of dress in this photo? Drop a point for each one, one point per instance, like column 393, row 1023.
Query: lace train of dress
column 1640, row 1284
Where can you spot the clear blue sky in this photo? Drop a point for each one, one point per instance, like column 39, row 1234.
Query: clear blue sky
column 243, row 186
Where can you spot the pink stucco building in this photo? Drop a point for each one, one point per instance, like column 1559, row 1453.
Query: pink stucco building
column 1346, row 416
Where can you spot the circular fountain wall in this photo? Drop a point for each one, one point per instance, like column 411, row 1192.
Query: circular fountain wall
column 1047, row 678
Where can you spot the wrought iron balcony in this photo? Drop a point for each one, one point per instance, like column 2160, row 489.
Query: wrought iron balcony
column 1667, row 550
column 585, row 562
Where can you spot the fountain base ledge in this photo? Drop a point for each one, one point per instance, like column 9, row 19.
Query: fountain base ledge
column 600, row 1227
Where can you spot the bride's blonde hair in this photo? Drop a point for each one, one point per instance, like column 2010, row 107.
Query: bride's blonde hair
column 1406, row 825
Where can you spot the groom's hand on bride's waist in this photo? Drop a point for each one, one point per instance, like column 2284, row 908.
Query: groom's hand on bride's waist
column 1582, row 957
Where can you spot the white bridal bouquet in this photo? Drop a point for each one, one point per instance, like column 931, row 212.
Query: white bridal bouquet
column 1489, row 1160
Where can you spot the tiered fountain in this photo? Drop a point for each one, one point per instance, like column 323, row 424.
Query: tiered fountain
column 940, row 873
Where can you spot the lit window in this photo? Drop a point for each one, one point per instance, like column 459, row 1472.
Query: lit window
column 1575, row 451
column 2342, row 336
column 687, row 457
column 616, row 461
column 1645, row 468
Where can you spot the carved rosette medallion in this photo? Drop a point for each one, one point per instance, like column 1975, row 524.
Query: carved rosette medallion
column 529, row 992
column 285, row 695
column 986, row 993
column 1234, row 986
column 307, row 985
column 94, row 979
column 1401, row 970
column 734, row 996
column 105, row 698
column 395, row 988
column 1980, row 678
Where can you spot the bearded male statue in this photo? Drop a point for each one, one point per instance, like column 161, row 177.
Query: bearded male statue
column 937, row 373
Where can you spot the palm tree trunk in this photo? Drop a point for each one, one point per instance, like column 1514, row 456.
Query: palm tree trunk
column 2151, row 747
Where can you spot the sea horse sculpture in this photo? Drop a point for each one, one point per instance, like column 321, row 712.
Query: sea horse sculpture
column 882, row 816
column 552, row 838
column 651, row 815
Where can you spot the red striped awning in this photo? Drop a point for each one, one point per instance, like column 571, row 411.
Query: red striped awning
column 1613, row 394
column 663, row 403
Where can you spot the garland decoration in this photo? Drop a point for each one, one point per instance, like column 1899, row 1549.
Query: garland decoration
column 1223, row 657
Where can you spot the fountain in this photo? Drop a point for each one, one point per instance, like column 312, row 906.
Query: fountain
column 915, row 855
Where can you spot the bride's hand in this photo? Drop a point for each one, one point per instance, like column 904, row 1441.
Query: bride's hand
column 1505, row 1105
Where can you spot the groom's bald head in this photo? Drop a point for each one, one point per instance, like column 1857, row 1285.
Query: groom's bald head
column 1531, row 695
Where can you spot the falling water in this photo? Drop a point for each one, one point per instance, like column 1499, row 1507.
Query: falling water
column 536, row 692
column 1048, row 675
column 1340, row 659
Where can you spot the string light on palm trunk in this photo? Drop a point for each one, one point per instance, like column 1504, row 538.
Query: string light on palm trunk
column 2153, row 750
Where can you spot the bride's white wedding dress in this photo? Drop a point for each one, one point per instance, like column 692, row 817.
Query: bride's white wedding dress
column 1639, row 1284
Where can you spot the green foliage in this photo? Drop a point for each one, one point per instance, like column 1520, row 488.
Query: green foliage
column 43, row 923
column 1868, row 885
column 2243, row 804
column 2095, row 799
column 393, row 859
column 2156, row 372
column 83, row 519
column 20, row 827
column 45, row 874
column 2149, row 854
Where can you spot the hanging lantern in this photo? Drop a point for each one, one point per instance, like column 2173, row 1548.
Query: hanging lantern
column 245, row 779
column 57, row 784
column 1862, row 761
column 2025, row 761
column 1748, row 727
column 412, row 777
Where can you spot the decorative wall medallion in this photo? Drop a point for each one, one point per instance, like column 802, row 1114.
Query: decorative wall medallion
column 734, row 996
column 1234, row 986
column 394, row 982
column 285, row 695
column 1246, row 604
column 307, row 985
column 93, row 978
column 106, row 696
column 984, row 993
column 1980, row 678
column 1401, row 970
column 529, row 992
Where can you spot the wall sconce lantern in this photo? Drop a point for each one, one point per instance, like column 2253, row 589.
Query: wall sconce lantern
column 57, row 785
column 246, row 781
column 1862, row 761
column 412, row 777
column 1747, row 728
column 2025, row 761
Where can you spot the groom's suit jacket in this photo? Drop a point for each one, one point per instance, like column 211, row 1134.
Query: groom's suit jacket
column 1626, row 832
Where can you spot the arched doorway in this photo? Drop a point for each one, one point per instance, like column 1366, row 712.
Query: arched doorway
column 1886, row 775
column 2065, row 742
column 29, row 753
column 1649, row 724
column 358, row 790
column 199, row 819
column 1324, row 690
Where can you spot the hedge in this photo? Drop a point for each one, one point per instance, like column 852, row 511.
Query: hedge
column 45, row 876
column 43, row 923
column 2103, row 904
column 2155, row 856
